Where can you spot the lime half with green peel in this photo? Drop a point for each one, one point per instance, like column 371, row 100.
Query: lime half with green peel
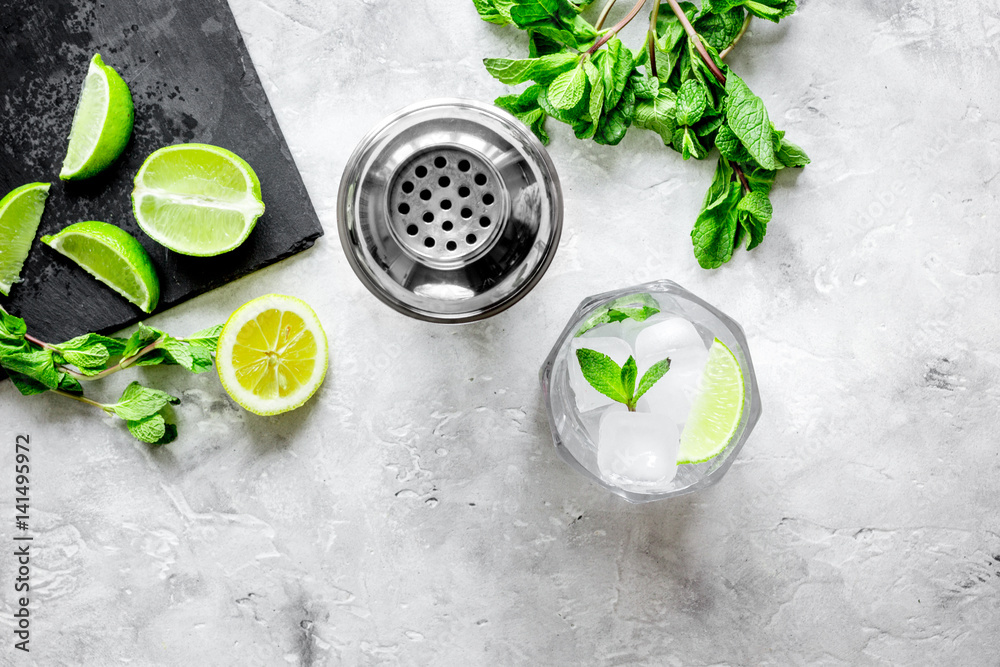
column 272, row 354
column 716, row 412
column 197, row 199
column 20, row 213
column 102, row 123
column 114, row 257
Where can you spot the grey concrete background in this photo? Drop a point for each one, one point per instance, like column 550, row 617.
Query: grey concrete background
column 415, row 513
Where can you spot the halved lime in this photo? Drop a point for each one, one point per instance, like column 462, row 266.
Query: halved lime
column 102, row 123
column 113, row 256
column 20, row 212
column 197, row 199
column 272, row 354
column 717, row 409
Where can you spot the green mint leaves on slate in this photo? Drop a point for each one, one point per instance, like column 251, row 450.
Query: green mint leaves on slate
column 675, row 84
column 36, row 367
column 618, row 382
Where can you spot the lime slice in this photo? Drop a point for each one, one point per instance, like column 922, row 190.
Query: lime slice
column 197, row 199
column 113, row 256
column 102, row 123
column 20, row 213
column 272, row 354
column 716, row 411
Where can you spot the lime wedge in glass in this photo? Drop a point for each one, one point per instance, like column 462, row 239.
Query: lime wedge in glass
column 113, row 256
column 102, row 123
column 20, row 213
column 197, row 199
column 717, row 409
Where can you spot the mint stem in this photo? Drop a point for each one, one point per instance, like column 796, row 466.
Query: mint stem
column 746, row 24
column 604, row 14
column 694, row 37
column 39, row 343
column 79, row 398
column 618, row 26
column 716, row 72
column 652, row 37
column 121, row 365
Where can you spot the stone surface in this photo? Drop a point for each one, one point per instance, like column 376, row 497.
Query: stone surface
column 415, row 512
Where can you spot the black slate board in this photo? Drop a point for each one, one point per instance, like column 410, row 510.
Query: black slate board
column 192, row 81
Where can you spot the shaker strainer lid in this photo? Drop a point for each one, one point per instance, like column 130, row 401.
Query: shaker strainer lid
column 450, row 210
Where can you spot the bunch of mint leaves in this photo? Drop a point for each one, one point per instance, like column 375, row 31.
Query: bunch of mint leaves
column 36, row 367
column 675, row 84
column 618, row 382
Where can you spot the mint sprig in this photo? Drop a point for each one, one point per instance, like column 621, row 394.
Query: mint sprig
column 618, row 382
column 675, row 84
column 37, row 367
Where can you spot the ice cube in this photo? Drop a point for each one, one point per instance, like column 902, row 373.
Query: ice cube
column 591, row 419
column 588, row 398
column 606, row 330
column 678, row 340
column 637, row 451
column 630, row 328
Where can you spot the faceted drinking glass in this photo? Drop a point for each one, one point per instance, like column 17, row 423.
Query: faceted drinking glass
column 572, row 437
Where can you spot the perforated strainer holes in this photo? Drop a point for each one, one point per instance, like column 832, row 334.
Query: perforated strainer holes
column 452, row 190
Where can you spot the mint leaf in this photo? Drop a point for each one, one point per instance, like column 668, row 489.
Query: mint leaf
column 686, row 143
column 616, row 68
column 26, row 384
column 35, row 363
column 731, row 147
column 595, row 102
column 152, row 430
column 540, row 45
column 93, row 357
column 747, row 118
column 138, row 402
column 567, row 90
column 790, row 155
column 669, row 31
column 11, row 326
column 142, row 337
column 526, row 109
column 754, row 212
column 541, row 70
column 628, row 375
column 760, row 180
column 114, row 346
column 658, row 115
column 556, row 19
column 494, row 11
column 772, row 10
column 615, row 123
column 651, row 377
column 638, row 307
column 645, row 87
column 208, row 338
column 692, row 100
column 714, row 232
column 720, row 29
column 602, row 373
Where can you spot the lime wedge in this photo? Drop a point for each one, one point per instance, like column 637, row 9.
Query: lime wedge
column 102, row 123
column 20, row 213
column 197, row 199
column 716, row 411
column 272, row 354
column 113, row 256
